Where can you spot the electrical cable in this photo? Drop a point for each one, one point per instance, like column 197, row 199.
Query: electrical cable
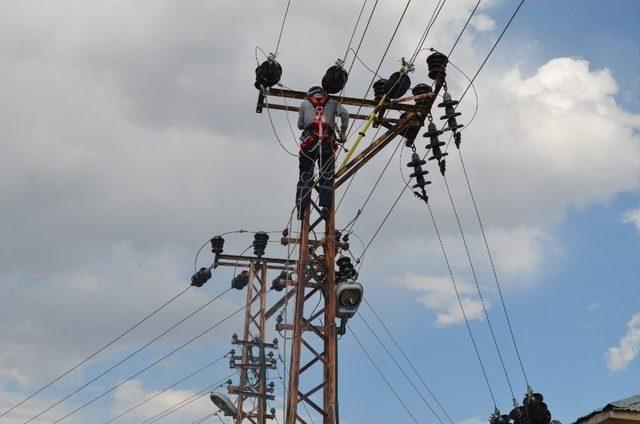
column 172, row 352
column 203, row 419
column 395, row 393
column 493, row 268
column 375, row 185
column 404, row 355
column 464, row 28
column 364, row 33
column 187, row 401
column 199, row 370
column 464, row 314
column 484, row 62
column 384, row 55
column 355, row 27
column 425, row 34
column 88, row 358
column 477, row 284
column 286, row 12
column 432, row 19
column 127, row 357
column 388, row 352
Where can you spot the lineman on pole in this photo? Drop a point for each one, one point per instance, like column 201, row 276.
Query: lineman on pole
column 318, row 142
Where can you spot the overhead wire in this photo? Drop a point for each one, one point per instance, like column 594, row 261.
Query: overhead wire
column 284, row 19
column 126, row 358
column 182, row 380
column 355, row 27
column 464, row 28
column 384, row 378
column 462, row 309
column 185, row 402
column 486, row 59
column 477, row 284
column 152, row 364
column 94, row 354
column 493, row 268
column 423, row 37
column 406, row 358
column 404, row 373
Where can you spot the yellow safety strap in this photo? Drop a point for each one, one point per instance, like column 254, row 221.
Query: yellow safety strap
column 367, row 124
column 363, row 131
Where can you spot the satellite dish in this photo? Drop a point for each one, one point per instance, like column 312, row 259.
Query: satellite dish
column 224, row 404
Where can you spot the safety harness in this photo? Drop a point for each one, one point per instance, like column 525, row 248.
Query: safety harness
column 319, row 131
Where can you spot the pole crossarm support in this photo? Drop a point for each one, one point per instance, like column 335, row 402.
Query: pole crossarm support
column 351, row 167
column 350, row 101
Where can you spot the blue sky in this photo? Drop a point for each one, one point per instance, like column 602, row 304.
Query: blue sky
column 131, row 139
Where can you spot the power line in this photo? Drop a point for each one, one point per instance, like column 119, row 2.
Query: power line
column 199, row 370
column 127, row 357
column 375, row 185
column 187, row 401
column 492, row 49
column 493, row 268
column 188, row 342
column 355, row 27
column 425, row 34
column 464, row 27
column 464, row 314
column 384, row 347
column 475, row 279
column 395, row 393
column 205, row 418
column 384, row 55
column 404, row 355
column 284, row 19
column 88, row 358
column 364, row 33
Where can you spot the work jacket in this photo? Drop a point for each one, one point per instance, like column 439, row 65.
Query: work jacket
column 332, row 110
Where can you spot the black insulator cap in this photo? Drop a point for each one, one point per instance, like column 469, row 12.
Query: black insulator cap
column 419, row 89
column 260, row 240
column 437, row 63
column 268, row 74
column 379, row 88
column 240, row 281
column 202, row 276
column 279, row 283
column 217, row 244
column 397, row 85
column 334, row 79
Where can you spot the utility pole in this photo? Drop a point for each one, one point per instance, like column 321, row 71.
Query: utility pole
column 313, row 378
column 252, row 368
column 313, row 368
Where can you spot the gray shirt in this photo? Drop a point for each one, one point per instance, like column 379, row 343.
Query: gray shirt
column 332, row 109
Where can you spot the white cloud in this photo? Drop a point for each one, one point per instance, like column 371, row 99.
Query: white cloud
column 132, row 124
column 132, row 393
column 473, row 420
column 619, row 357
column 632, row 217
column 593, row 307
column 520, row 251
column 438, row 295
column 483, row 23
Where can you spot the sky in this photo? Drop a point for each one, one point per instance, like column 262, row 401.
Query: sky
column 129, row 138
